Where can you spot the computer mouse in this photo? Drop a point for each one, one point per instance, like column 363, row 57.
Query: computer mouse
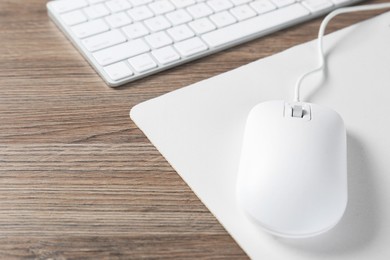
column 292, row 177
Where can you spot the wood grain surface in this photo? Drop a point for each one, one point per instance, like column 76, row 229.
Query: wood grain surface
column 78, row 179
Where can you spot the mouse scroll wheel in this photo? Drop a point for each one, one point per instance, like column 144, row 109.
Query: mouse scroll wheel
column 297, row 111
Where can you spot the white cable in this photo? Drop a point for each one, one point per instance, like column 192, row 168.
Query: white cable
column 321, row 32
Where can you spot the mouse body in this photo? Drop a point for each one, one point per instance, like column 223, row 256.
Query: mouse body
column 292, row 177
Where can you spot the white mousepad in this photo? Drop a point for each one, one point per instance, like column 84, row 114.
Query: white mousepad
column 199, row 130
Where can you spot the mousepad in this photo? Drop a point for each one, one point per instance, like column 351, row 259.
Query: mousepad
column 199, row 130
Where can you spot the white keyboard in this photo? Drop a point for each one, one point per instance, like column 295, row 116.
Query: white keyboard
column 125, row 40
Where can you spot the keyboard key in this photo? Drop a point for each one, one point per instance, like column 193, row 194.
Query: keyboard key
column 263, row 6
column 103, row 40
column 118, row 20
column 222, row 19
column 120, row 52
column 166, row 55
column 136, row 30
column 191, row 47
column 96, row 11
column 90, row 28
column 139, row 2
column 118, row 71
column 242, row 12
column 240, row 2
column 157, row 23
column 202, row 25
column 140, row 13
column 183, row 3
column 161, row 7
column 282, row 3
column 220, row 5
column 92, row 2
column 316, row 6
column 199, row 10
column 118, row 5
column 142, row 63
column 73, row 18
column 66, row 6
column 181, row 32
column 178, row 17
column 255, row 25
column 157, row 40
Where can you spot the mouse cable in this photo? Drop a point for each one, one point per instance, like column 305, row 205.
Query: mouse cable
column 321, row 32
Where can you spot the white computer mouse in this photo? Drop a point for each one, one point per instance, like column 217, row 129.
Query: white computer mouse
column 292, row 178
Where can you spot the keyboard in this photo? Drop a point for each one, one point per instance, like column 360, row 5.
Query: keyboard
column 125, row 40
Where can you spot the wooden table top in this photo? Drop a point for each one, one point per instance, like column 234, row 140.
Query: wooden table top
column 78, row 179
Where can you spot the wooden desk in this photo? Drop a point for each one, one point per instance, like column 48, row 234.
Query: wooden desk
column 77, row 178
